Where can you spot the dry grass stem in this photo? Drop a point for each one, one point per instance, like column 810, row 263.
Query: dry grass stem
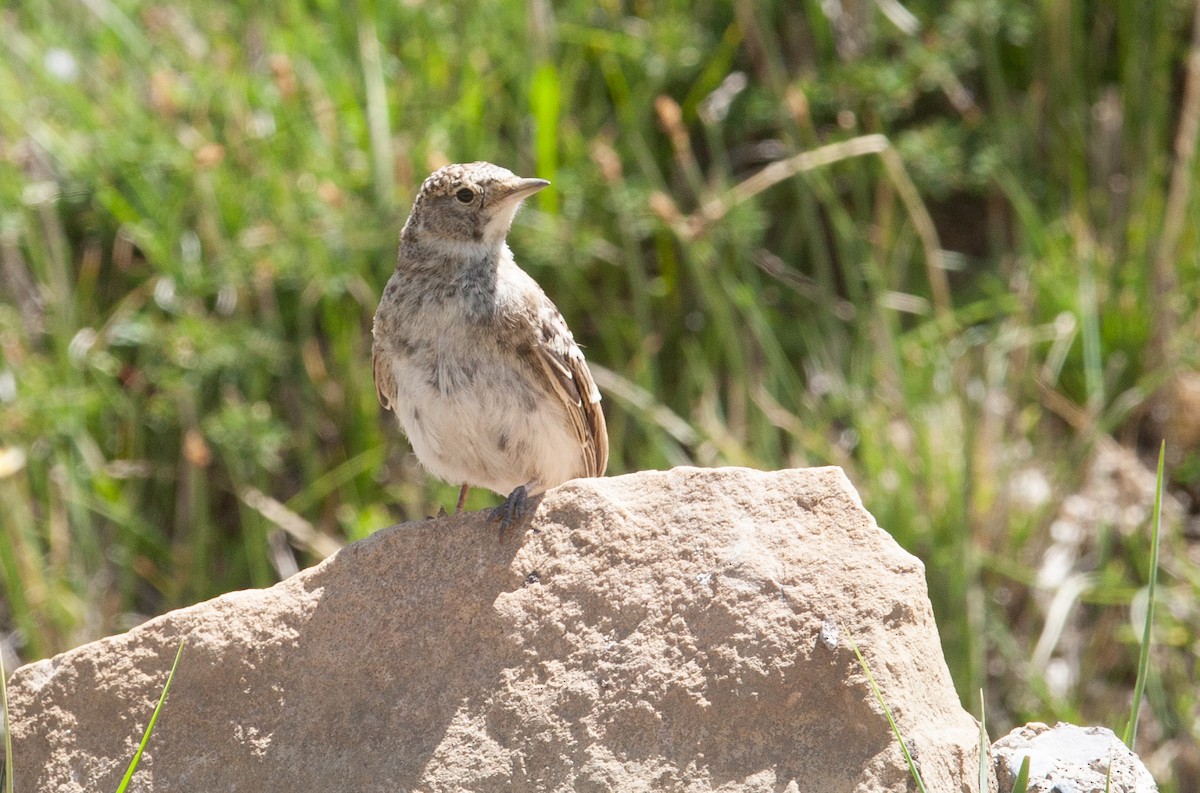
column 715, row 208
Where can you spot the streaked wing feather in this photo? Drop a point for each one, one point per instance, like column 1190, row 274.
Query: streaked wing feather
column 385, row 386
column 568, row 372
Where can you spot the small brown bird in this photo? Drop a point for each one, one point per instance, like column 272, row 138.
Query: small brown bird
column 477, row 363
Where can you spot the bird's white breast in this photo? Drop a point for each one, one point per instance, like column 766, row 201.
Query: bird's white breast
column 474, row 413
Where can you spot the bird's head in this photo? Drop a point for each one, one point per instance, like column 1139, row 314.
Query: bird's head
column 469, row 204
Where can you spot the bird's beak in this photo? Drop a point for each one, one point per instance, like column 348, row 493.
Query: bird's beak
column 518, row 189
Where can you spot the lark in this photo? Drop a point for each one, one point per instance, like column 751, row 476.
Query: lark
column 477, row 363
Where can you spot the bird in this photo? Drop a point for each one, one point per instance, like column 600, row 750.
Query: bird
column 476, row 362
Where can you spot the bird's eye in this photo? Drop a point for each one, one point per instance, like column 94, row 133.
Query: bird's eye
column 465, row 195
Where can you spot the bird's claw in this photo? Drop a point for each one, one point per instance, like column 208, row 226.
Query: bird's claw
column 512, row 509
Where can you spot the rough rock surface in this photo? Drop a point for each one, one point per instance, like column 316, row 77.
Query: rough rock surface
column 680, row 630
column 1066, row 758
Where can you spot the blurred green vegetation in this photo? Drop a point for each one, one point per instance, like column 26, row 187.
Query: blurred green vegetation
column 199, row 205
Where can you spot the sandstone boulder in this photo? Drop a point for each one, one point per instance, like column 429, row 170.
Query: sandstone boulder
column 679, row 630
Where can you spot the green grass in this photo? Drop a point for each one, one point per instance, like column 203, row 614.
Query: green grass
column 9, row 769
column 985, row 746
column 8, row 752
column 162, row 699
column 887, row 712
column 1021, row 783
column 1143, row 667
column 196, row 222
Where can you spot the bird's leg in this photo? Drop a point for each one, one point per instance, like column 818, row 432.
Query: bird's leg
column 462, row 498
column 513, row 507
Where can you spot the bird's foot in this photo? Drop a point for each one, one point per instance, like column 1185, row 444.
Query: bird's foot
column 512, row 509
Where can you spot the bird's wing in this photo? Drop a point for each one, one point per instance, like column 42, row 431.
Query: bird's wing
column 385, row 386
column 570, row 379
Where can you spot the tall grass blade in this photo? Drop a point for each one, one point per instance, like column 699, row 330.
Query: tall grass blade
column 8, row 758
column 1021, row 785
column 379, row 122
column 1144, row 656
column 137, row 756
column 545, row 98
column 912, row 766
column 983, row 745
column 1164, row 278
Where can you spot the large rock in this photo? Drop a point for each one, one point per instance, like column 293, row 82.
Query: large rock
column 680, row 630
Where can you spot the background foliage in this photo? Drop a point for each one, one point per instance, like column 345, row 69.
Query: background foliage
column 199, row 204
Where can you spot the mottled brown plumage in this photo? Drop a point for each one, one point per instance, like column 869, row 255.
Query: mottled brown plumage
column 479, row 366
